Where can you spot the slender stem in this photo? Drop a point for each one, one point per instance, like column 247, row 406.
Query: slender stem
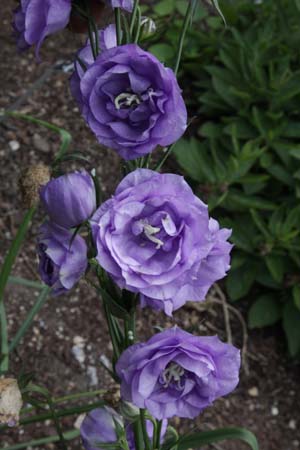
column 91, row 38
column 4, row 340
column 126, row 29
column 156, row 435
column 4, row 275
column 111, row 332
column 118, row 25
column 138, row 435
column 164, row 158
column 144, row 430
column 138, row 28
column 42, row 298
column 69, row 435
column 62, row 442
column 133, row 17
column 186, row 22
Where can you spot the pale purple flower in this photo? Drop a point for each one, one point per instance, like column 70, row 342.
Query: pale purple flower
column 123, row 4
column 99, row 427
column 63, row 260
column 34, row 20
column 178, row 374
column 130, row 101
column 69, row 199
column 154, row 237
column 107, row 40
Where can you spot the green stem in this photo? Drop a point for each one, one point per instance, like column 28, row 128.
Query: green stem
column 138, row 28
column 133, row 17
column 144, row 430
column 164, row 158
column 57, row 425
column 186, row 22
column 4, row 340
column 4, row 275
column 138, row 435
column 42, row 298
column 156, row 434
column 118, row 25
column 91, row 39
column 112, row 332
column 68, row 436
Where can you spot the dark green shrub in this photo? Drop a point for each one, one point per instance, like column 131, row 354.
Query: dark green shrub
column 244, row 82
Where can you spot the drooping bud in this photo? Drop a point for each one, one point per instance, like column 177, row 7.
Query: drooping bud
column 148, row 27
column 32, row 179
column 129, row 411
column 10, row 402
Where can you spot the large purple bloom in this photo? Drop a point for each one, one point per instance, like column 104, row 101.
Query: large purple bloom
column 70, row 199
column 62, row 260
column 36, row 19
column 130, row 101
column 178, row 374
column 154, row 237
column 99, row 426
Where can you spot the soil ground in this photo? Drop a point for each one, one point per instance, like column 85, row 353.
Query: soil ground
column 267, row 399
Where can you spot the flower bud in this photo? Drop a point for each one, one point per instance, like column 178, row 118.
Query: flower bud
column 129, row 411
column 10, row 401
column 148, row 27
column 70, row 199
column 99, row 427
column 32, row 179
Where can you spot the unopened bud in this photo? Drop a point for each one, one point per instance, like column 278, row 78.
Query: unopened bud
column 148, row 27
column 10, row 402
column 31, row 180
column 129, row 411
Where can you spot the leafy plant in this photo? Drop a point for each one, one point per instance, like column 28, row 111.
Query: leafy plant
column 243, row 83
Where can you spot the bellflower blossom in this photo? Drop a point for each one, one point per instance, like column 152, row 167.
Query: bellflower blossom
column 178, row 374
column 69, row 199
column 130, row 101
column 34, row 20
column 99, row 427
column 62, row 260
column 155, row 237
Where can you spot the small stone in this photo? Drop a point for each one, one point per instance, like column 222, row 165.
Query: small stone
column 40, row 143
column 274, row 411
column 253, row 392
column 78, row 421
column 14, row 145
column 292, row 424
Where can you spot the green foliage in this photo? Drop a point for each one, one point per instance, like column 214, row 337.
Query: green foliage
column 242, row 82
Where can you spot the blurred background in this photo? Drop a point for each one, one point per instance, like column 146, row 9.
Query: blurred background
column 241, row 155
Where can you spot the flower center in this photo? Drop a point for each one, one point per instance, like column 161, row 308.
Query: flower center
column 173, row 373
column 150, row 232
column 127, row 100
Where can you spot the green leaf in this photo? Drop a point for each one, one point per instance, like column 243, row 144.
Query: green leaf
column 264, row 312
column 275, row 265
column 241, row 200
column 164, row 7
column 164, row 52
column 209, row 437
column 291, row 325
column 240, row 281
column 217, row 6
column 296, row 295
column 113, row 305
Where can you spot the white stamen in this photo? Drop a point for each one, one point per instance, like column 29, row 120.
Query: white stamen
column 149, row 231
column 173, row 372
column 126, row 99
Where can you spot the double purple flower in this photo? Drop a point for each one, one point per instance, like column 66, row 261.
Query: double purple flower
column 130, row 100
column 155, row 237
column 178, row 374
column 63, row 259
column 34, row 20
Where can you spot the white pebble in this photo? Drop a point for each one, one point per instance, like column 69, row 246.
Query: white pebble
column 253, row 392
column 292, row 424
column 14, row 145
column 274, row 411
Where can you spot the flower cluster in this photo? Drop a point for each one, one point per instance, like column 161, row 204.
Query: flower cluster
column 153, row 238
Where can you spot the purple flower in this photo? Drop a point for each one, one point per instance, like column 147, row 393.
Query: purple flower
column 70, row 199
column 154, row 237
column 124, row 4
column 130, row 101
column 62, row 260
column 107, row 39
column 36, row 19
column 99, row 427
column 178, row 374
